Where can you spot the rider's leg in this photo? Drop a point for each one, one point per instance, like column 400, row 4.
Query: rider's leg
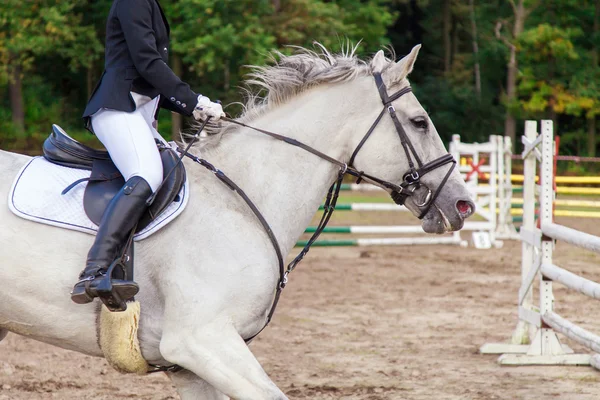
column 148, row 111
column 130, row 143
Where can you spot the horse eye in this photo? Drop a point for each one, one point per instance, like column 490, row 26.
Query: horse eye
column 419, row 122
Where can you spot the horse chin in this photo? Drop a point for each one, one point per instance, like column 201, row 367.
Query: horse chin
column 436, row 222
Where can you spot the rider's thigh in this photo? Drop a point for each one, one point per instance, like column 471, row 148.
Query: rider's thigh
column 130, row 142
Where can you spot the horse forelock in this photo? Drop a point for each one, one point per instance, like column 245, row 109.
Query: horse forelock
column 287, row 76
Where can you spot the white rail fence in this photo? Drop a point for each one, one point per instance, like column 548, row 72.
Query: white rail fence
column 541, row 323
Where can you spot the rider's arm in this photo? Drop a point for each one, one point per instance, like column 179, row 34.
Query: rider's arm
column 135, row 17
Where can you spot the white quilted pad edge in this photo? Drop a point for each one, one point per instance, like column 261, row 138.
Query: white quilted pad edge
column 168, row 215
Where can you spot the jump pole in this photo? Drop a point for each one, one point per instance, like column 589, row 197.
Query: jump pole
column 383, row 241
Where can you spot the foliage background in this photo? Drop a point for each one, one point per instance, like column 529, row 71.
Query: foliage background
column 535, row 59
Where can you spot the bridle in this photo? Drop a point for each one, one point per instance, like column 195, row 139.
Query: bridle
column 411, row 179
column 399, row 193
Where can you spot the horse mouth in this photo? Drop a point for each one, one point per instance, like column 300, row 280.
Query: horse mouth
column 437, row 221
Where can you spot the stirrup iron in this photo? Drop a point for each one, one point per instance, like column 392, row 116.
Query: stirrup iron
column 115, row 292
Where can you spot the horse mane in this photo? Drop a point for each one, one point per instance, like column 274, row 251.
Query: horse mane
column 287, row 76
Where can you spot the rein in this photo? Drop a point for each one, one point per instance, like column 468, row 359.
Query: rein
column 399, row 193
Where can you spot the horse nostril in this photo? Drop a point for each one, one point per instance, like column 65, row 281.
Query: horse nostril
column 465, row 208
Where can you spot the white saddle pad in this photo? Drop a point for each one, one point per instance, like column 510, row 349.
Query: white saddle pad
column 36, row 196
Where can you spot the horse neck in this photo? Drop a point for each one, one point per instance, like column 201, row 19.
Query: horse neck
column 286, row 183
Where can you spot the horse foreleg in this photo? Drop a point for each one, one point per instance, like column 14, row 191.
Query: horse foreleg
column 216, row 353
column 191, row 387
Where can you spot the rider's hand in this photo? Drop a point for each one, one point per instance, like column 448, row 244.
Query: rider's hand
column 206, row 108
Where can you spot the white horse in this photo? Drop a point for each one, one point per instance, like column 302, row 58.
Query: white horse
column 207, row 280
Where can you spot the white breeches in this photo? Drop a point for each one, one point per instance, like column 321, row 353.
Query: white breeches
column 129, row 139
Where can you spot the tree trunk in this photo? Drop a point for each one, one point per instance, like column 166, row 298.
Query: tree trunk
column 591, row 137
column 591, row 121
column 226, row 77
column 276, row 5
column 176, row 119
column 476, row 50
column 596, row 30
column 552, row 115
column 446, row 30
column 455, row 39
column 510, row 124
column 15, row 93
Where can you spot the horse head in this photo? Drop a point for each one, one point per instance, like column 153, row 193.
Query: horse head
column 404, row 152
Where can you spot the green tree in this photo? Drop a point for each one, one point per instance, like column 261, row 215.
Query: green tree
column 30, row 29
column 213, row 41
column 559, row 70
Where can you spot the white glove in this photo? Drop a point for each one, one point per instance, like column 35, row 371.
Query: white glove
column 206, row 108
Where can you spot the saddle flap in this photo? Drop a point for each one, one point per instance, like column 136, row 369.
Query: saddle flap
column 106, row 181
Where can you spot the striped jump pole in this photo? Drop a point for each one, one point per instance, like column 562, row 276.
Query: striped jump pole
column 368, row 207
column 384, row 241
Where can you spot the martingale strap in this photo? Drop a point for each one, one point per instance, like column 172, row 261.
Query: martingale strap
column 399, row 193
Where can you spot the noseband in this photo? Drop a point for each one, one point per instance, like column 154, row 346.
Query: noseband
column 412, row 178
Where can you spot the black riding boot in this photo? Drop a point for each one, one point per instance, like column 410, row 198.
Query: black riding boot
column 119, row 219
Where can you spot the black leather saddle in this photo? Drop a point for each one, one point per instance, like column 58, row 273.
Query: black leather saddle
column 106, row 180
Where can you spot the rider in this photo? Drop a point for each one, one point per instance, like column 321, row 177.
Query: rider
column 122, row 113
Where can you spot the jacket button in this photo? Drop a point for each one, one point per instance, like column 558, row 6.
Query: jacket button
column 172, row 98
column 178, row 103
column 184, row 105
column 165, row 50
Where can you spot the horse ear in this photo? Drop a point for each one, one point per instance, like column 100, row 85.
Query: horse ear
column 378, row 62
column 405, row 66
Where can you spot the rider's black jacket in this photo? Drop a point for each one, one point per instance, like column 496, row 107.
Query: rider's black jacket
column 137, row 49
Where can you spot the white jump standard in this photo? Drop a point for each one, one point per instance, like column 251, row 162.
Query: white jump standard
column 542, row 322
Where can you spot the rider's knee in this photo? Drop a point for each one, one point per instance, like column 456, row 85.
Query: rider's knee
column 152, row 175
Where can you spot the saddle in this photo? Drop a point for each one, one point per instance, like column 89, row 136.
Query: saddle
column 105, row 179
